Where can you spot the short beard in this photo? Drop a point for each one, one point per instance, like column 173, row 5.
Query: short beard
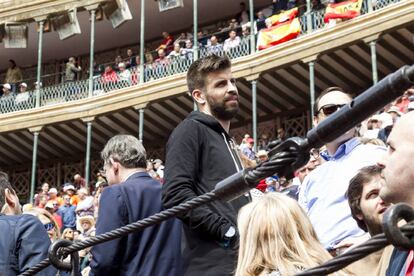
column 220, row 111
column 373, row 226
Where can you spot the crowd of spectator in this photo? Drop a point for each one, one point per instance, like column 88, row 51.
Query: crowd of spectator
column 70, row 212
column 173, row 55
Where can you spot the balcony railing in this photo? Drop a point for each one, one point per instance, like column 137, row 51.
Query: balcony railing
column 72, row 91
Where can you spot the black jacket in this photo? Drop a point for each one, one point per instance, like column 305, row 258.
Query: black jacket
column 155, row 251
column 199, row 154
column 23, row 243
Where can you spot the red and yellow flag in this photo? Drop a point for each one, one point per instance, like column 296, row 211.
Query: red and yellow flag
column 278, row 34
column 344, row 10
column 284, row 16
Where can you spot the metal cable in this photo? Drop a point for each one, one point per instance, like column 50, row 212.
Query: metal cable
column 278, row 162
column 376, row 243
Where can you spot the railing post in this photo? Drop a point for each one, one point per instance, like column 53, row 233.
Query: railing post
column 35, row 132
column 369, row 6
column 41, row 21
column 254, row 113
column 91, row 50
column 88, row 122
column 252, row 34
column 195, row 27
column 312, row 88
column 373, row 47
column 308, row 16
column 141, row 110
column 141, row 44
column 311, row 63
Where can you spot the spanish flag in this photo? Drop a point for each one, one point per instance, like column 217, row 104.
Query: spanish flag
column 278, row 34
column 284, row 16
column 344, row 10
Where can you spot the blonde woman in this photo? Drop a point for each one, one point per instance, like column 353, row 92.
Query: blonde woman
column 277, row 238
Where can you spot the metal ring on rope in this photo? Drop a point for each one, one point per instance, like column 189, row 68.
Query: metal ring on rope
column 56, row 254
column 390, row 225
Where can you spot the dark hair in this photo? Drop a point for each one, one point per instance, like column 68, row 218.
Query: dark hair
column 4, row 184
column 199, row 69
column 323, row 93
column 354, row 193
column 12, row 62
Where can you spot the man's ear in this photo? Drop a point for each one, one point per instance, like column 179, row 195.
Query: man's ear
column 360, row 216
column 315, row 120
column 198, row 96
column 10, row 198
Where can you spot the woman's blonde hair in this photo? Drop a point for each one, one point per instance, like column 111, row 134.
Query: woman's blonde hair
column 42, row 213
column 276, row 235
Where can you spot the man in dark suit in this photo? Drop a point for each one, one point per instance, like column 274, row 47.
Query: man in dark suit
column 131, row 196
column 24, row 241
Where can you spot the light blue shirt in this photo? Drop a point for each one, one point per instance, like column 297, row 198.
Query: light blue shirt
column 322, row 194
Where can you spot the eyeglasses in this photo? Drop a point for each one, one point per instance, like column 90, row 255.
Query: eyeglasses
column 49, row 226
column 330, row 108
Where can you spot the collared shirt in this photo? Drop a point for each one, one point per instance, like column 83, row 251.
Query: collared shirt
column 322, row 194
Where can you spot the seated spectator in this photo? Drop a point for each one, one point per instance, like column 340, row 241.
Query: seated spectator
column 85, row 206
column 54, row 198
column 52, row 209
column 125, row 77
column 188, row 51
column 367, row 208
column 98, row 69
column 243, row 15
column 262, row 156
column 276, row 238
column 232, row 26
column 248, row 150
column 162, row 58
column 176, row 53
column 23, row 96
column 373, row 127
column 68, row 214
column 109, row 77
column 70, row 190
column 7, row 93
column 215, row 47
column 43, row 192
column 118, row 60
column 245, row 32
column 79, row 181
column 202, row 39
column 260, row 21
column 131, row 60
column 182, row 39
column 232, row 42
column 88, row 230
column 322, row 194
column 278, row 6
column 167, row 43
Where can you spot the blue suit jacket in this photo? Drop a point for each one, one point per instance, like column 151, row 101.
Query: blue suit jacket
column 23, row 243
column 154, row 251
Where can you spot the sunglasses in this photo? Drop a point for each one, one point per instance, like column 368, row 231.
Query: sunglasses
column 330, row 108
column 49, row 226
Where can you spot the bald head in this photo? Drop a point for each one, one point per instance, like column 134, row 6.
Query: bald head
column 398, row 165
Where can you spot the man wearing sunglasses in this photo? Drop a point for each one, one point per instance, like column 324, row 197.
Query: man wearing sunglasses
column 23, row 241
column 322, row 194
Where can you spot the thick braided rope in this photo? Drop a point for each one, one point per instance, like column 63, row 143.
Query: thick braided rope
column 278, row 163
column 127, row 229
column 376, row 243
